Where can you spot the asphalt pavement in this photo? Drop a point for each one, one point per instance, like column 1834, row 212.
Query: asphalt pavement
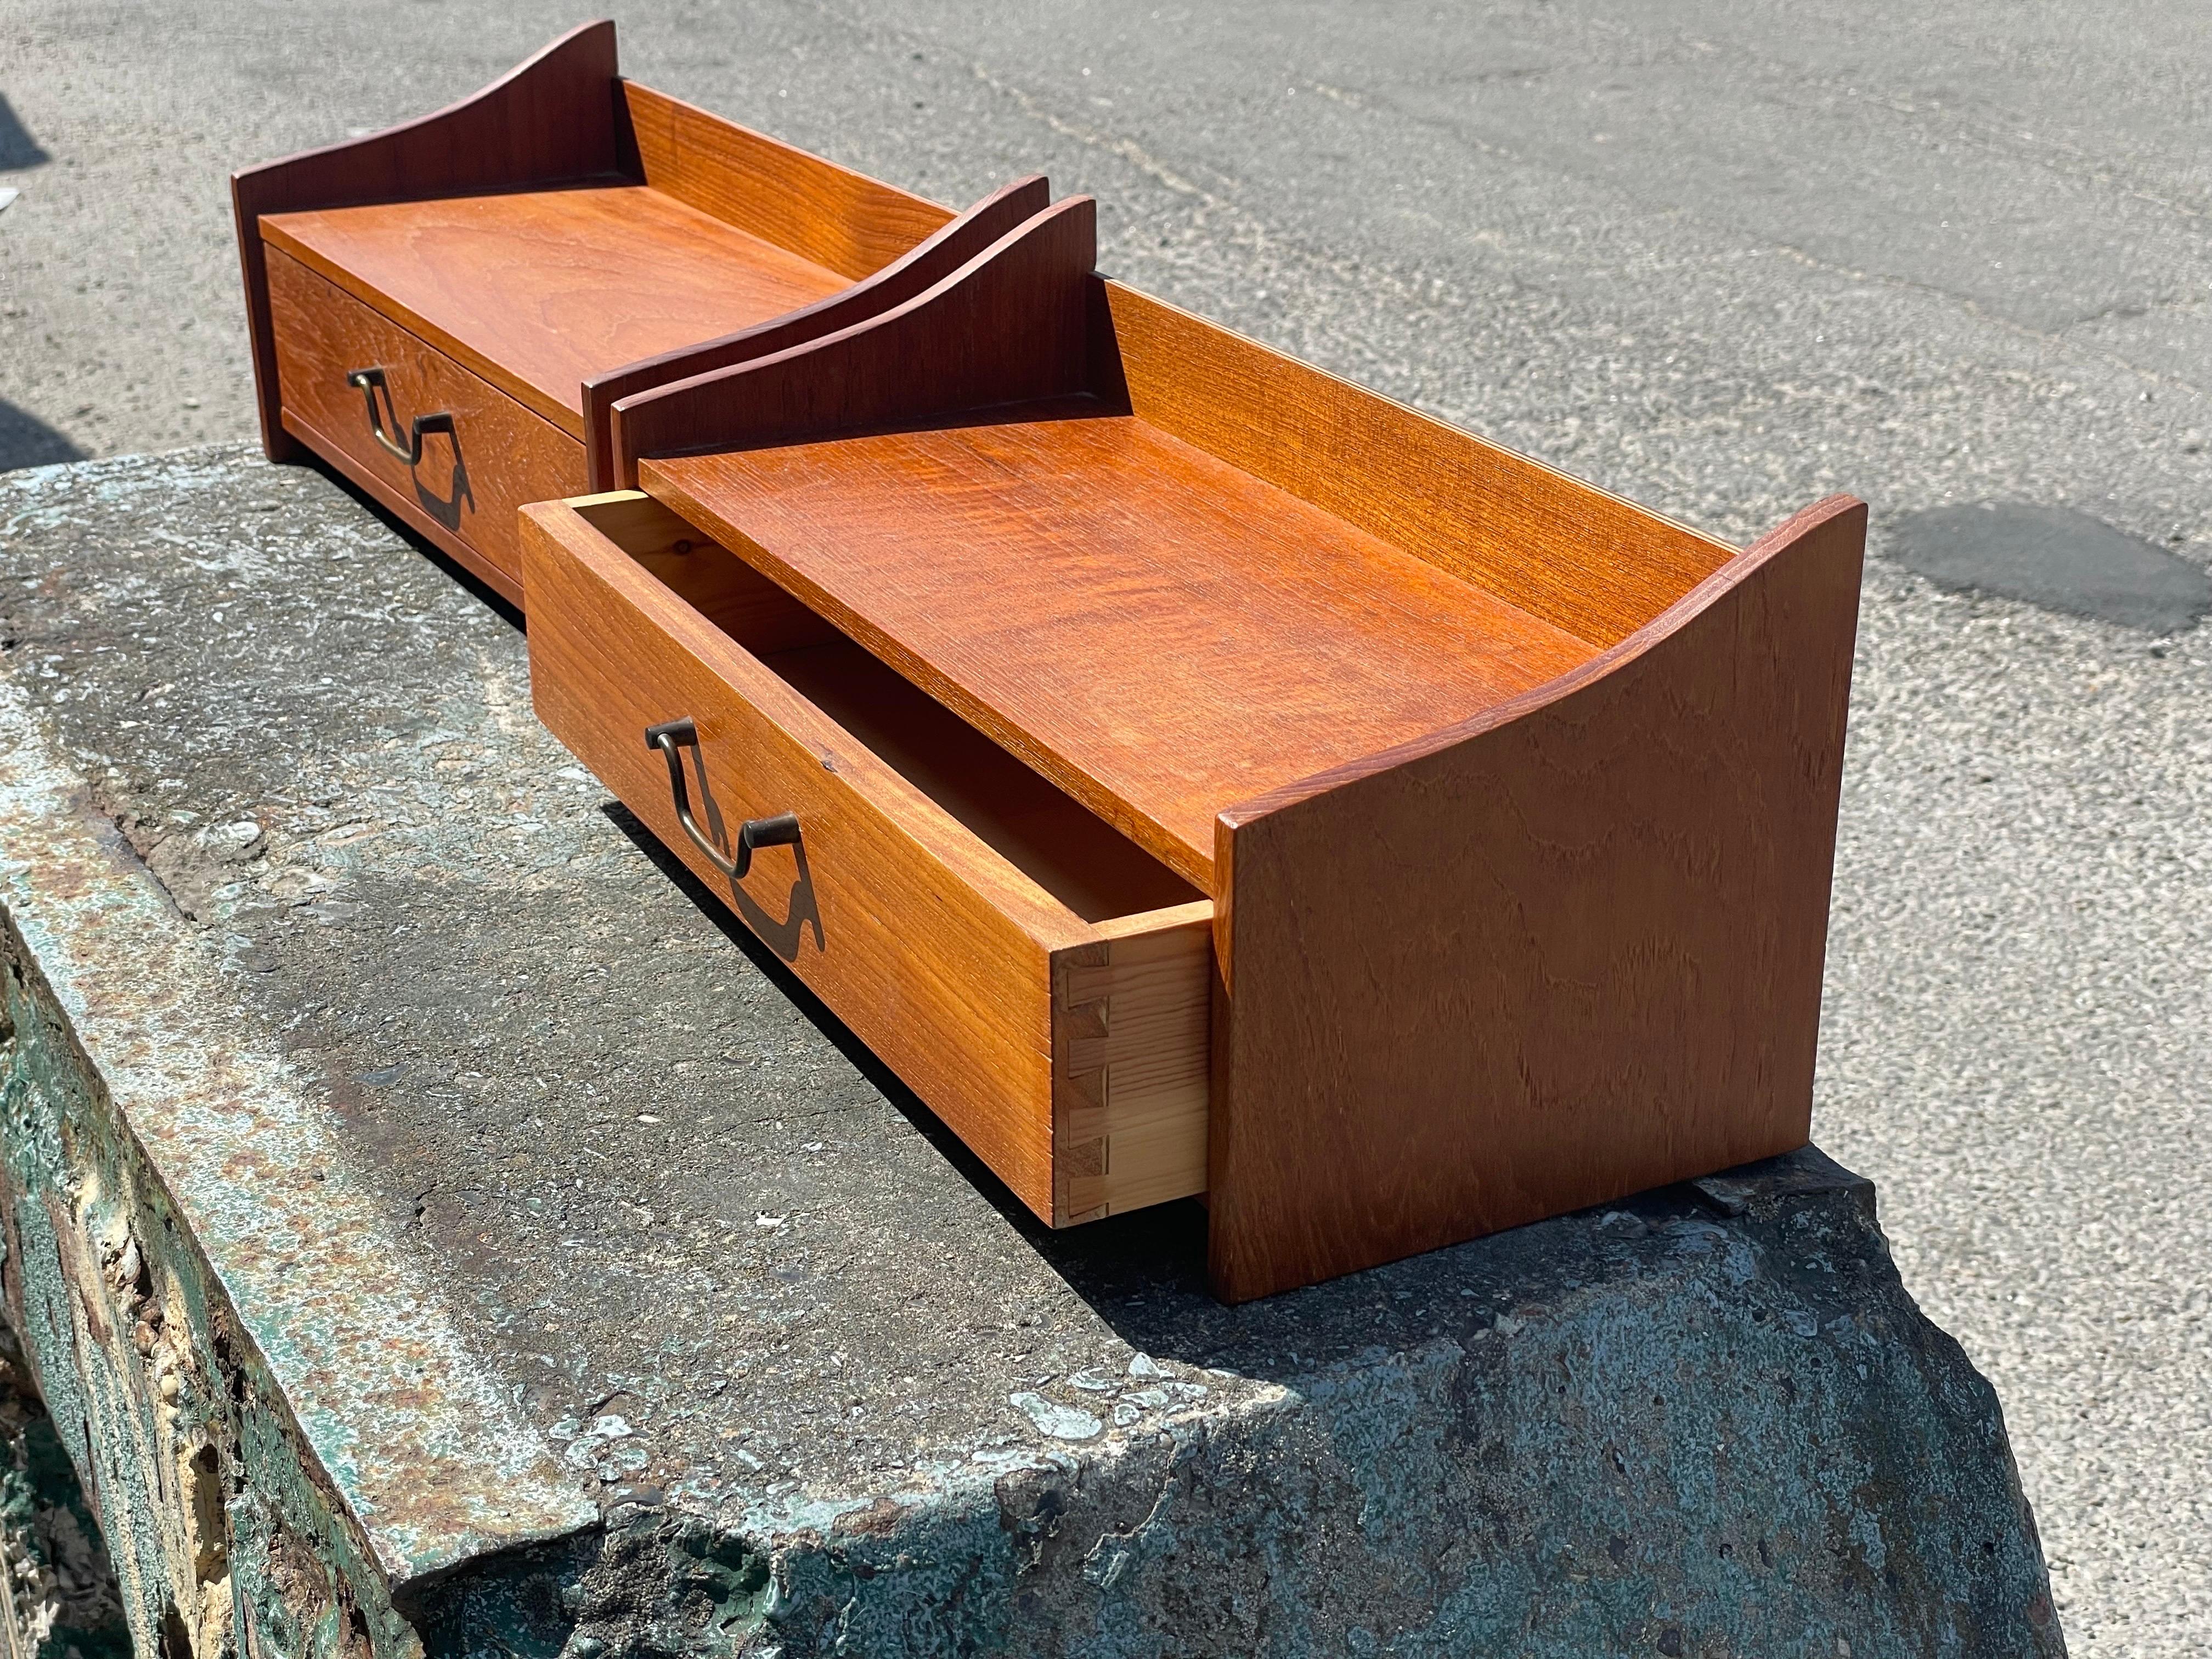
column 1722, row 256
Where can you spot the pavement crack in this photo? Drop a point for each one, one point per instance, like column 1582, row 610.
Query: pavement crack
column 2053, row 155
column 1127, row 148
column 1974, row 308
column 144, row 838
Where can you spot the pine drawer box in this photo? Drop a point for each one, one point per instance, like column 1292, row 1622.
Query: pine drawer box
column 1196, row 774
column 444, row 311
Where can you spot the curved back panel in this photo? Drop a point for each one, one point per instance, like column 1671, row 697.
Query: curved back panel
column 1564, row 550
column 952, row 246
column 840, row 220
column 550, row 120
column 1011, row 324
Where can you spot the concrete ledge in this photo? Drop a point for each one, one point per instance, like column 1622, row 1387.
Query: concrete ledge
column 434, row 1229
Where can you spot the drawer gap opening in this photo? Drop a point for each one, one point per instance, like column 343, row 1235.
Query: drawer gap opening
column 1076, row 856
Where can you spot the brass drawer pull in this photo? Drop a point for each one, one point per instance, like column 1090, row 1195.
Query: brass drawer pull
column 781, row 830
column 371, row 381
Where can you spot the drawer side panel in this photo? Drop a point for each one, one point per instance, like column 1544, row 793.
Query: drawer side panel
column 1131, row 1055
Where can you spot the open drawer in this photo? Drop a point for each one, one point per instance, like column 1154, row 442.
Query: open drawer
column 1039, row 979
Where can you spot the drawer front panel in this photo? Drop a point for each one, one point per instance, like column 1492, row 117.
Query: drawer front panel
column 469, row 483
column 937, row 958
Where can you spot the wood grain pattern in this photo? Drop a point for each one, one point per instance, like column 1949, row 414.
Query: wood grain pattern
column 944, row 251
column 1565, row 551
column 950, row 989
column 1568, row 554
column 464, row 494
column 551, row 119
column 842, row 221
column 1160, row 634
column 939, row 951
column 1071, row 854
column 1074, row 856
column 537, row 291
column 1011, row 324
column 1568, row 952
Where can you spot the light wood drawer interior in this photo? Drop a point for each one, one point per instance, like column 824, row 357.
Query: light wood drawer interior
column 1040, row 981
column 470, row 482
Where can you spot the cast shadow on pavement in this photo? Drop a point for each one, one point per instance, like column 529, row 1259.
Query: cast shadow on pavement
column 18, row 149
column 26, row 440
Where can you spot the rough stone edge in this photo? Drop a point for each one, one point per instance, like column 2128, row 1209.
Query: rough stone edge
column 433, row 1464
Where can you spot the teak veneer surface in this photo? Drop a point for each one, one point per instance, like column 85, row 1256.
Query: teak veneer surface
column 539, row 290
column 843, row 220
column 1562, row 549
column 1158, row 632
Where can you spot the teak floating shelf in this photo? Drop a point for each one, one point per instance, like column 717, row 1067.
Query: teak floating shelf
column 1194, row 773
column 446, row 311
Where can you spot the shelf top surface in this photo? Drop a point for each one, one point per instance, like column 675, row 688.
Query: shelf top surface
column 1161, row 634
column 541, row 290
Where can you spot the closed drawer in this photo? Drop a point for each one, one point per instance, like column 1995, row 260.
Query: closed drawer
column 470, row 480
column 1043, row 984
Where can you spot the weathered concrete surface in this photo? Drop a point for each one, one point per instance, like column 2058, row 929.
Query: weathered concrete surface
column 433, row 1226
